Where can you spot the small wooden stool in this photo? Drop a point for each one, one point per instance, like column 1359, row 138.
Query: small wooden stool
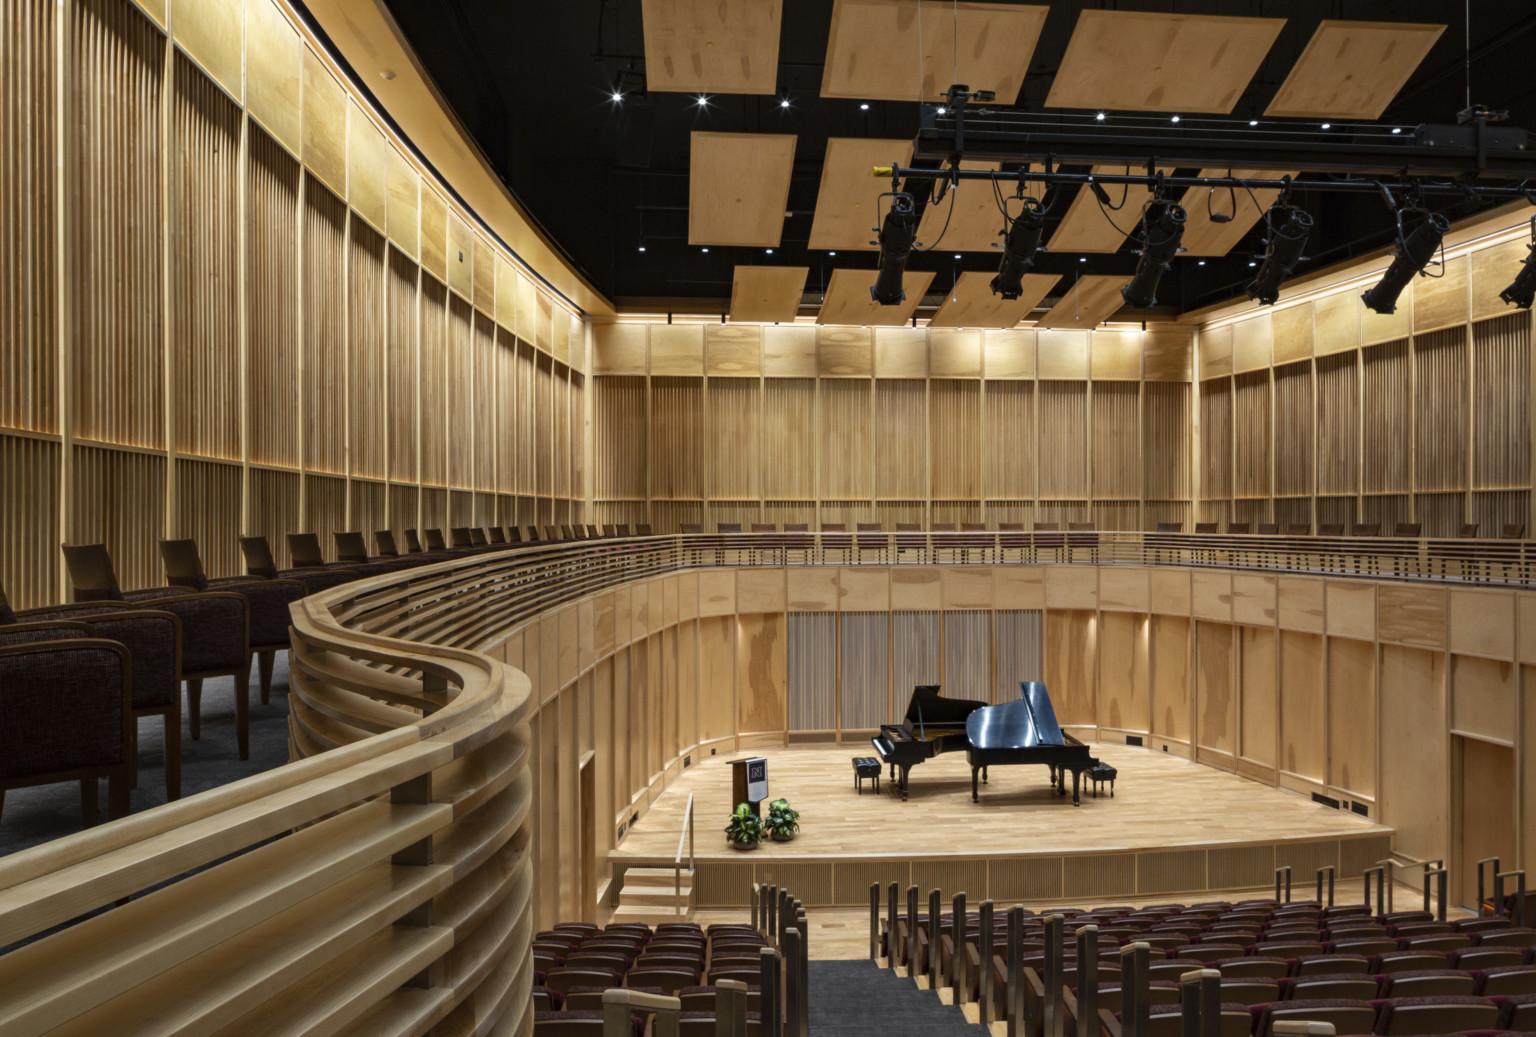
column 865, row 767
column 1099, row 774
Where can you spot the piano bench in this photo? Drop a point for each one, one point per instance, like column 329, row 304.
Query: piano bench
column 865, row 767
column 1099, row 774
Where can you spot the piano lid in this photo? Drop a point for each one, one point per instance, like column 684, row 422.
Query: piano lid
column 1027, row 722
column 928, row 707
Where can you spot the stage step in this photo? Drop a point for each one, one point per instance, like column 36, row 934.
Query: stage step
column 651, row 896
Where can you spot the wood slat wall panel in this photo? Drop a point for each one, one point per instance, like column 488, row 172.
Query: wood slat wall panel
column 205, row 330
column 323, row 245
column 620, row 446
column 366, row 510
column 1251, row 424
column 116, row 64
column 432, row 393
column 367, row 352
column 900, row 443
column 789, row 439
column 325, row 509
column 917, row 655
column 844, row 459
column 1501, row 352
column 403, row 501
column 542, row 413
column 864, row 670
column 208, row 508
column 126, row 495
column 28, row 257
column 460, row 374
column 30, row 480
column 733, row 445
column 1116, row 441
column 527, row 387
column 272, row 259
column 402, row 362
column 1018, row 651
column 1009, row 439
column 954, row 438
column 1387, row 428
column 1165, row 442
column 677, row 438
column 1216, row 438
column 1294, row 430
column 487, row 417
column 559, row 432
column 506, row 435
column 274, row 509
column 812, row 645
column 1063, row 433
column 578, row 432
column 1440, row 432
column 968, row 655
column 1338, row 425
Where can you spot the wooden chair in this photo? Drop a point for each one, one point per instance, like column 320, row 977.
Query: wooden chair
column 1051, row 540
column 837, row 541
column 1204, row 547
column 980, row 540
column 1165, row 545
column 1081, row 537
column 1011, row 537
column 690, row 527
column 870, row 538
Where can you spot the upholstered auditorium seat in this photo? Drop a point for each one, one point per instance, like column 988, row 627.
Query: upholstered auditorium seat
column 259, row 563
column 215, row 631
column 307, row 554
column 1347, row 1015
column 66, row 714
column 1435, row 1014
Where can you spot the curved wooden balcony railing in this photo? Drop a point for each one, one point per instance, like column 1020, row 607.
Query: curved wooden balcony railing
column 381, row 882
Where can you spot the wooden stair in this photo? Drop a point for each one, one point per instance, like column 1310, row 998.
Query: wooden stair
column 650, row 897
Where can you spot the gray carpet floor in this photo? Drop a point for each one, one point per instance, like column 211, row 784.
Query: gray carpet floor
column 860, row 999
column 35, row 815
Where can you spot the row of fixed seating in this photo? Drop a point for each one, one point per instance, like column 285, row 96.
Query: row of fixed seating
column 576, row 963
column 1398, row 973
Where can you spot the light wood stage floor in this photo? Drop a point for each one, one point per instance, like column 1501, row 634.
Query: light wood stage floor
column 1173, row 827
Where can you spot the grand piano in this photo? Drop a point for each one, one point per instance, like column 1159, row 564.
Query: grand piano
column 1025, row 731
column 933, row 725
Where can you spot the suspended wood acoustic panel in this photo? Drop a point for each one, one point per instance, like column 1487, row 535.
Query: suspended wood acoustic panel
column 738, row 187
column 973, row 304
column 897, row 50
column 710, row 46
column 847, row 205
column 767, row 294
column 1092, row 300
column 1141, row 61
column 969, row 217
column 848, row 300
column 1352, row 70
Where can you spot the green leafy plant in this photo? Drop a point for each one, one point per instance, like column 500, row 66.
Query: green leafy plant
column 782, row 820
column 745, row 827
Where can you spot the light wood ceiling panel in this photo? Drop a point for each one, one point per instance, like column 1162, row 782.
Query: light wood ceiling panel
column 712, row 46
column 846, row 205
column 1092, row 300
column 874, row 46
column 1204, row 236
column 1352, row 70
column 764, row 294
column 738, row 187
column 1142, row 61
column 971, row 303
column 1089, row 227
column 848, row 302
column 971, row 209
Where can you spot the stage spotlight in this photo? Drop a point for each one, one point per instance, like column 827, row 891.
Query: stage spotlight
column 1522, row 291
column 1286, row 241
column 895, row 245
column 1414, row 251
column 1019, row 248
column 1162, row 229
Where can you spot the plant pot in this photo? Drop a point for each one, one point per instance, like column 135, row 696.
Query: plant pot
column 742, row 846
column 780, row 838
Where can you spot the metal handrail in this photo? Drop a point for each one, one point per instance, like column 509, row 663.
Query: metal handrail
column 677, row 860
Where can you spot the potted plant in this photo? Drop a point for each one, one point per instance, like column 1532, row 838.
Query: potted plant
column 745, row 830
column 782, row 821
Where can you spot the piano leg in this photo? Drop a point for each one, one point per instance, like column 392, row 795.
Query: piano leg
column 906, row 772
column 983, row 775
column 1077, row 777
column 974, row 772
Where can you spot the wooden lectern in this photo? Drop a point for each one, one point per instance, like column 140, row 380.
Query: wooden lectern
column 749, row 782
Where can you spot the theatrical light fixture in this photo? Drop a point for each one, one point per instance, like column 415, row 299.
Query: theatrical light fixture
column 1414, row 251
column 1019, row 247
column 1162, row 229
column 1522, row 291
column 895, row 246
column 1286, row 241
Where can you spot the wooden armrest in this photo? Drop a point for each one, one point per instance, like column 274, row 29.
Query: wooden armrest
column 1109, row 1026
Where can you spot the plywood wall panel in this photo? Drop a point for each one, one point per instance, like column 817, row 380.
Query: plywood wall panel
column 325, row 125
column 1303, row 713
column 1071, row 662
column 1415, row 769
column 1125, row 702
column 274, row 57
column 1352, row 716
column 1214, row 694
column 761, row 674
column 1258, row 671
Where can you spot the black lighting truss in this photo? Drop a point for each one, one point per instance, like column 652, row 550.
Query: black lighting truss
column 1474, row 160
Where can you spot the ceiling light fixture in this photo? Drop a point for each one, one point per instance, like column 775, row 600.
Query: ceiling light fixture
column 895, row 246
column 1253, row 122
column 942, row 109
column 617, row 97
column 1415, row 249
column 1282, row 252
column 1397, row 129
column 1327, row 125
column 864, row 107
column 769, row 251
column 1099, row 117
column 1162, row 229
column 783, row 102
column 703, row 100
column 1174, row 119
column 1522, row 291
column 704, row 250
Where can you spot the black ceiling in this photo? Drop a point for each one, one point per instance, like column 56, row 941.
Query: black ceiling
column 532, row 83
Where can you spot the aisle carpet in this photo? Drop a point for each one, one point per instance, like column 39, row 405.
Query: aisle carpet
column 860, row 999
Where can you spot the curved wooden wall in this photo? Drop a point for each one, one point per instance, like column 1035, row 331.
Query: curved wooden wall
column 235, row 302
